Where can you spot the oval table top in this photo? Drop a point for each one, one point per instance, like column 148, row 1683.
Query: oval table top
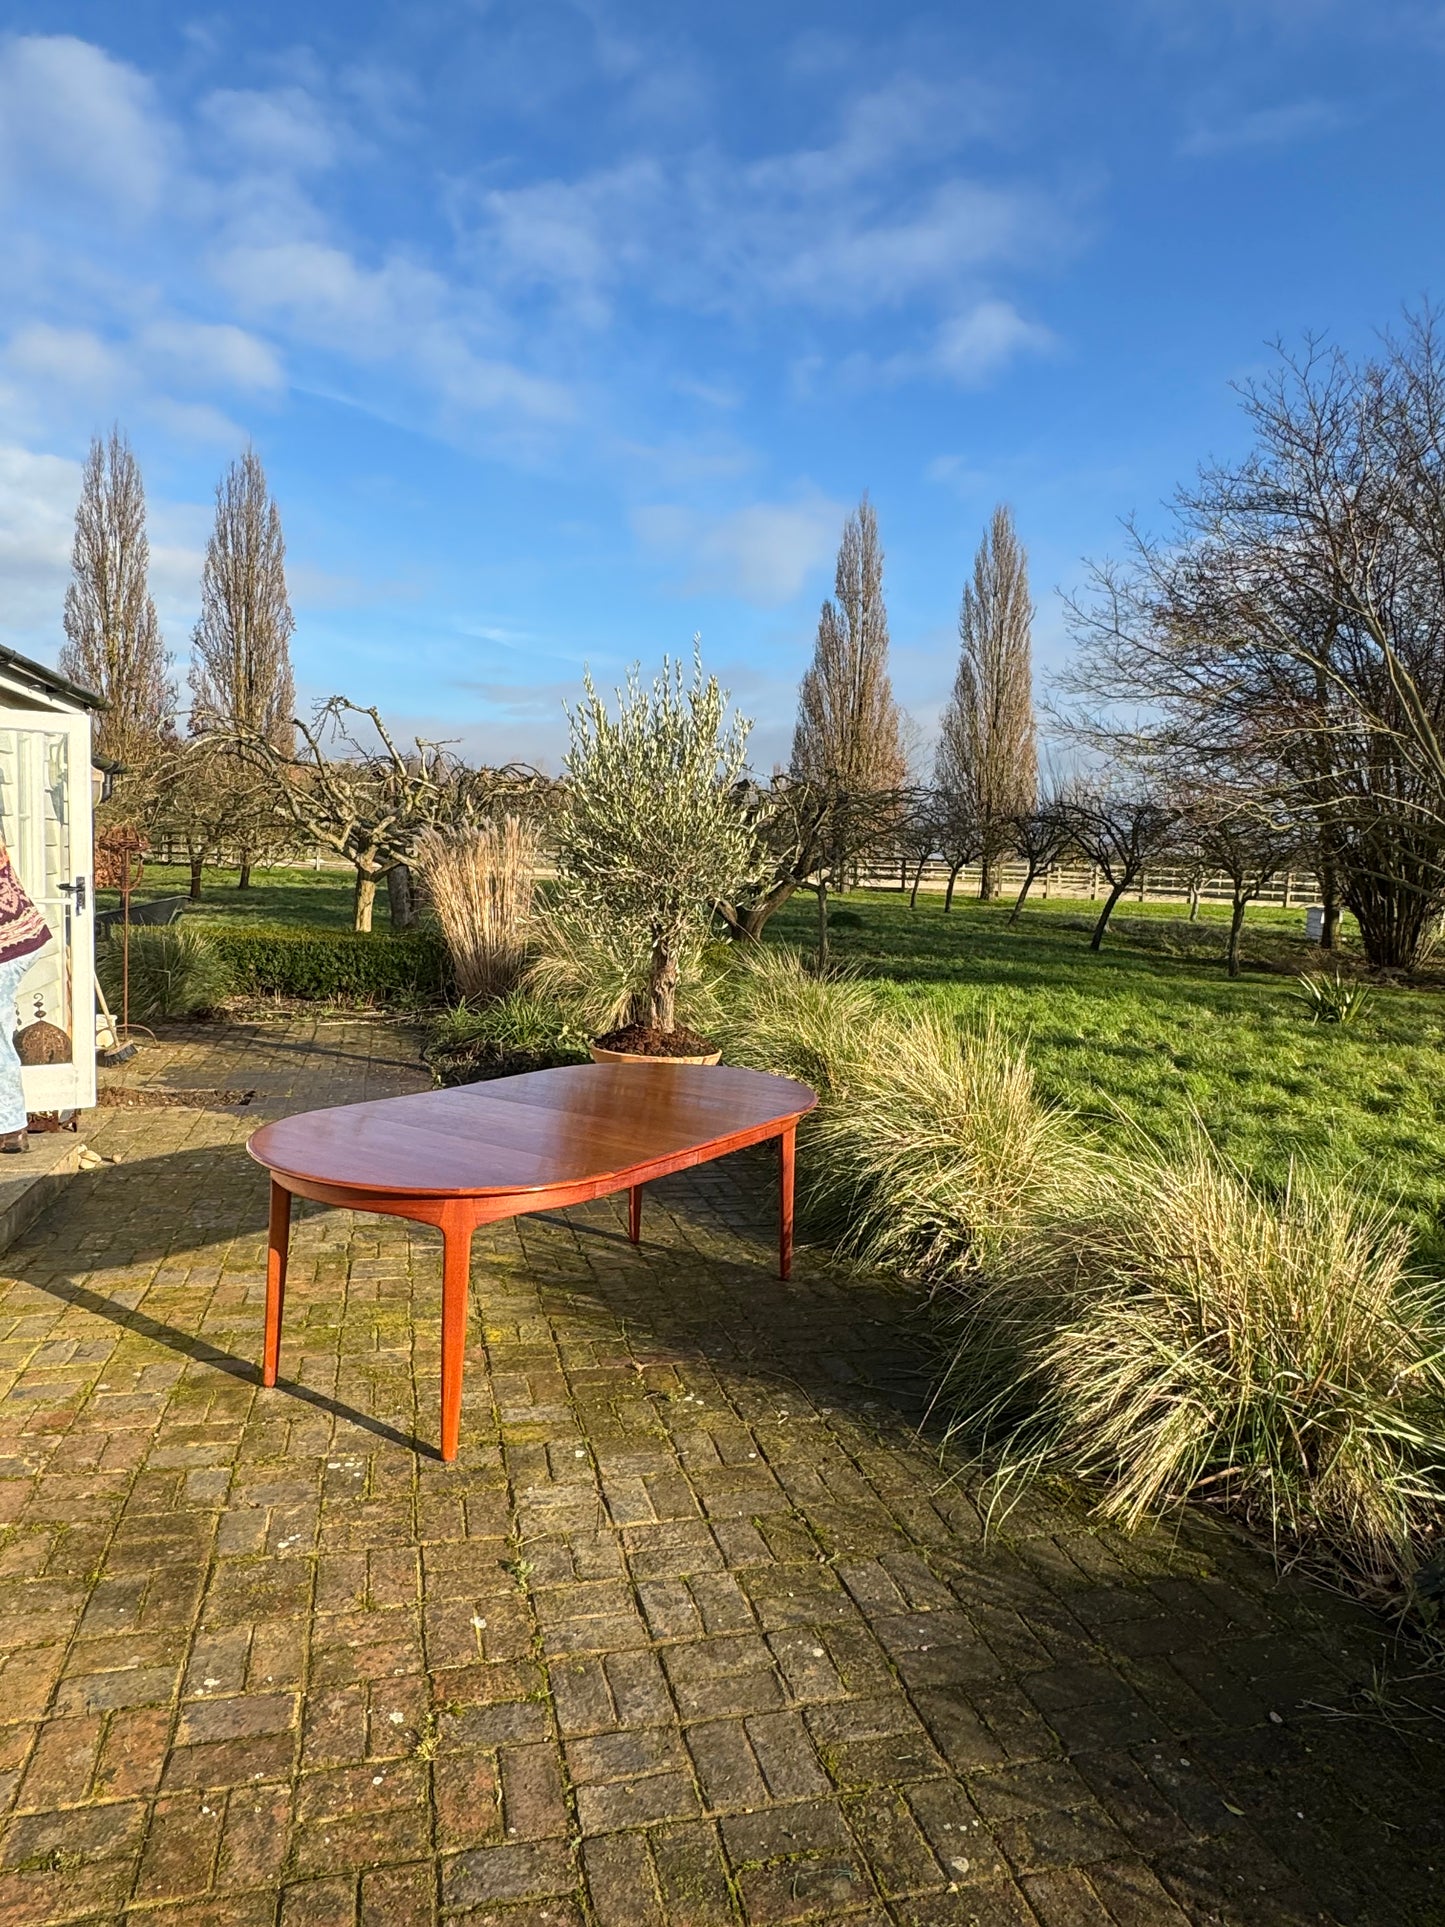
column 576, row 1124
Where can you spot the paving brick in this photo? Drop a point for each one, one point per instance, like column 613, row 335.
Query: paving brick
column 63, row 1763
column 254, row 1837
column 319, row 1903
column 727, row 1768
column 180, row 1847
column 527, row 1870
column 399, row 1896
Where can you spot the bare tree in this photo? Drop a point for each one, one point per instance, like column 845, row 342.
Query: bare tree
column 848, row 732
column 1118, row 831
column 805, row 834
column 113, row 641
column 1248, row 843
column 370, row 804
column 918, row 836
column 241, row 676
column 1294, row 622
column 988, row 749
column 960, row 839
column 197, row 801
column 1042, row 836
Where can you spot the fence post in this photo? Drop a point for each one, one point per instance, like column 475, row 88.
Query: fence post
column 1143, row 885
column 1288, row 887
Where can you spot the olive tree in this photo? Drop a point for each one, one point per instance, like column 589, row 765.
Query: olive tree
column 652, row 833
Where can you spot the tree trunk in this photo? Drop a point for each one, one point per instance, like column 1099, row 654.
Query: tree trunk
column 952, row 879
column 1194, row 894
column 400, row 898
column 822, row 925
column 197, row 865
column 662, row 989
column 1236, row 927
column 365, row 898
column 1097, row 940
column 746, row 926
column 1330, row 898
column 243, row 882
column 1029, row 880
column 917, row 879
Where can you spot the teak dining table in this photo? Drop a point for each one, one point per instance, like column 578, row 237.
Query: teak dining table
column 472, row 1155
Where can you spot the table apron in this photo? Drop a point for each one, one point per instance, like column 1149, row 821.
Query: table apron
column 454, row 1209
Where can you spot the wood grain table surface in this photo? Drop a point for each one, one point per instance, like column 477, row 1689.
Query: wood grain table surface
column 477, row 1153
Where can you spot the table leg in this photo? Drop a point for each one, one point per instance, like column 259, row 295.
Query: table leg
column 279, row 1239
column 634, row 1213
column 456, row 1272
column 787, row 1142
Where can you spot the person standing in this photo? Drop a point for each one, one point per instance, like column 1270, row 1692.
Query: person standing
column 23, row 931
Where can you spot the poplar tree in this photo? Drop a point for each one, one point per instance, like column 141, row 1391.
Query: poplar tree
column 848, row 733
column 988, row 742
column 113, row 641
column 241, row 678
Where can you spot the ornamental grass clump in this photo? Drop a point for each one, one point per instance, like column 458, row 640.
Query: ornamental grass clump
column 175, row 971
column 481, row 880
column 778, row 1015
column 1181, row 1335
column 944, row 1152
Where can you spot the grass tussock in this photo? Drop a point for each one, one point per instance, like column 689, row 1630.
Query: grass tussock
column 518, row 1032
column 944, row 1150
column 777, row 1015
column 481, row 881
column 1180, row 1334
column 174, row 972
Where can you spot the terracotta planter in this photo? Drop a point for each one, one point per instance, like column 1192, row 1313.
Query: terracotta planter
column 601, row 1055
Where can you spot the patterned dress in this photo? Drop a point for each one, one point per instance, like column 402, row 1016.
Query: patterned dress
column 23, row 931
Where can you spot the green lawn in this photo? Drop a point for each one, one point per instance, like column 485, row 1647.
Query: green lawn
column 293, row 894
column 1152, row 1030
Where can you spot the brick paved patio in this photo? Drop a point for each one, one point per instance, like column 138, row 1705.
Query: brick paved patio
column 692, row 1632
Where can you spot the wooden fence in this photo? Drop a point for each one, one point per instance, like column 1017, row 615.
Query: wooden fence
column 1159, row 883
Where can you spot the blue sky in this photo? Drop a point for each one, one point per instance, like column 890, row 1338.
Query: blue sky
column 567, row 330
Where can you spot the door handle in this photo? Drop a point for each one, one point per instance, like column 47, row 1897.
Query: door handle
column 76, row 890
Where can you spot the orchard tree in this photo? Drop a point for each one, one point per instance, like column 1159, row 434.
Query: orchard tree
column 370, row 801
column 1119, row 830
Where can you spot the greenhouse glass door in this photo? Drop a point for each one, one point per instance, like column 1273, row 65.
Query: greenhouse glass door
column 45, row 802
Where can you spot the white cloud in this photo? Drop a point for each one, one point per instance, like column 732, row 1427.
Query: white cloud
column 956, row 472
column 577, row 236
column 73, row 358
column 1263, row 127
column 402, row 311
column 38, row 494
column 200, row 353
column 876, row 218
column 70, row 114
column 763, row 553
column 969, row 348
column 973, row 346
column 285, row 127
column 962, row 227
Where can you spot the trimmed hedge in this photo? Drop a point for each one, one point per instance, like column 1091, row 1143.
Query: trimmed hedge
column 335, row 966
